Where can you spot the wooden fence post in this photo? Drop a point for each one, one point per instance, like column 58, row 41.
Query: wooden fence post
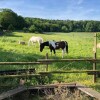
column 47, row 63
column 95, row 56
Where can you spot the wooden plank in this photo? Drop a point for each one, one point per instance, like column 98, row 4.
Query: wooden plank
column 88, row 91
column 23, row 88
column 82, row 88
column 17, row 71
column 46, row 64
column 52, row 72
column 94, row 72
column 12, row 92
column 23, row 75
column 22, row 63
column 68, row 60
column 95, row 56
column 53, row 85
column 76, row 71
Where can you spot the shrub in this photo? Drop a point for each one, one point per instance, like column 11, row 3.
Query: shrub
column 32, row 28
column 25, row 29
column 11, row 27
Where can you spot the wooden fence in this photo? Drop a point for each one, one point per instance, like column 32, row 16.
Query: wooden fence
column 20, row 72
column 31, row 71
column 93, row 72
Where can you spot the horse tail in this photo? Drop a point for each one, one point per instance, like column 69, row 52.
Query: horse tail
column 66, row 46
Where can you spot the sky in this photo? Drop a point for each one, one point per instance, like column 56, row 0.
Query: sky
column 55, row 9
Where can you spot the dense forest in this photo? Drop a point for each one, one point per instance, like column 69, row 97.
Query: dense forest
column 9, row 20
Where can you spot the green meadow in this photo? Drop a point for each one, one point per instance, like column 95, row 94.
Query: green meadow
column 80, row 46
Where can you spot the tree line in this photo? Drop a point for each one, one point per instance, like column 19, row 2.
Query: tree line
column 9, row 20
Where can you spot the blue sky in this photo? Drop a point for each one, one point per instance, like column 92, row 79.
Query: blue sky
column 55, row 9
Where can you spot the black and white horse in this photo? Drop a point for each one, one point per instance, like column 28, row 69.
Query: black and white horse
column 53, row 45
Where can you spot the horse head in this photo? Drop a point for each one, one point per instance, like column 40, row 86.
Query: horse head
column 41, row 47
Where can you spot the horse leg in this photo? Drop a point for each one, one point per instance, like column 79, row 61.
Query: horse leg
column 54, row 51
column 33, row 43
column 63, row 53
column 51, row 48
column 64, row 50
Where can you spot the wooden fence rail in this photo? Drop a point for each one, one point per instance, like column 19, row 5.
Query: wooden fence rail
column 68, row 60
column 20, row 76
column 28, row 72
column 94, row 72
column 90, row 72
column 22, row 63
column 49, row 61
column 17, row 71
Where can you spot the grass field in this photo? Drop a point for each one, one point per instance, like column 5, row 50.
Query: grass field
column 80, row 46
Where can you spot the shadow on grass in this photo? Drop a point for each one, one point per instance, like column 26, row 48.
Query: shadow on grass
column 52, row 33
column 11, row 34
column 11, row 56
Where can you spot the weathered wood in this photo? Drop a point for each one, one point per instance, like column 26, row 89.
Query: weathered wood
column 82, row 88
column 23, row 88
column 23, row 75
column 94, row 72
column 68, row 60
column 95, row 55
column 46, row 64
column 53, row 85
column 17, row 71
column 88, row 91
column 22, row 63
column 44, row 86
column 12, row 92
column 90, row 72
column 76, row 71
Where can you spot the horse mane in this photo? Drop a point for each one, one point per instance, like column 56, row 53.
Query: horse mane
column 45, row 43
